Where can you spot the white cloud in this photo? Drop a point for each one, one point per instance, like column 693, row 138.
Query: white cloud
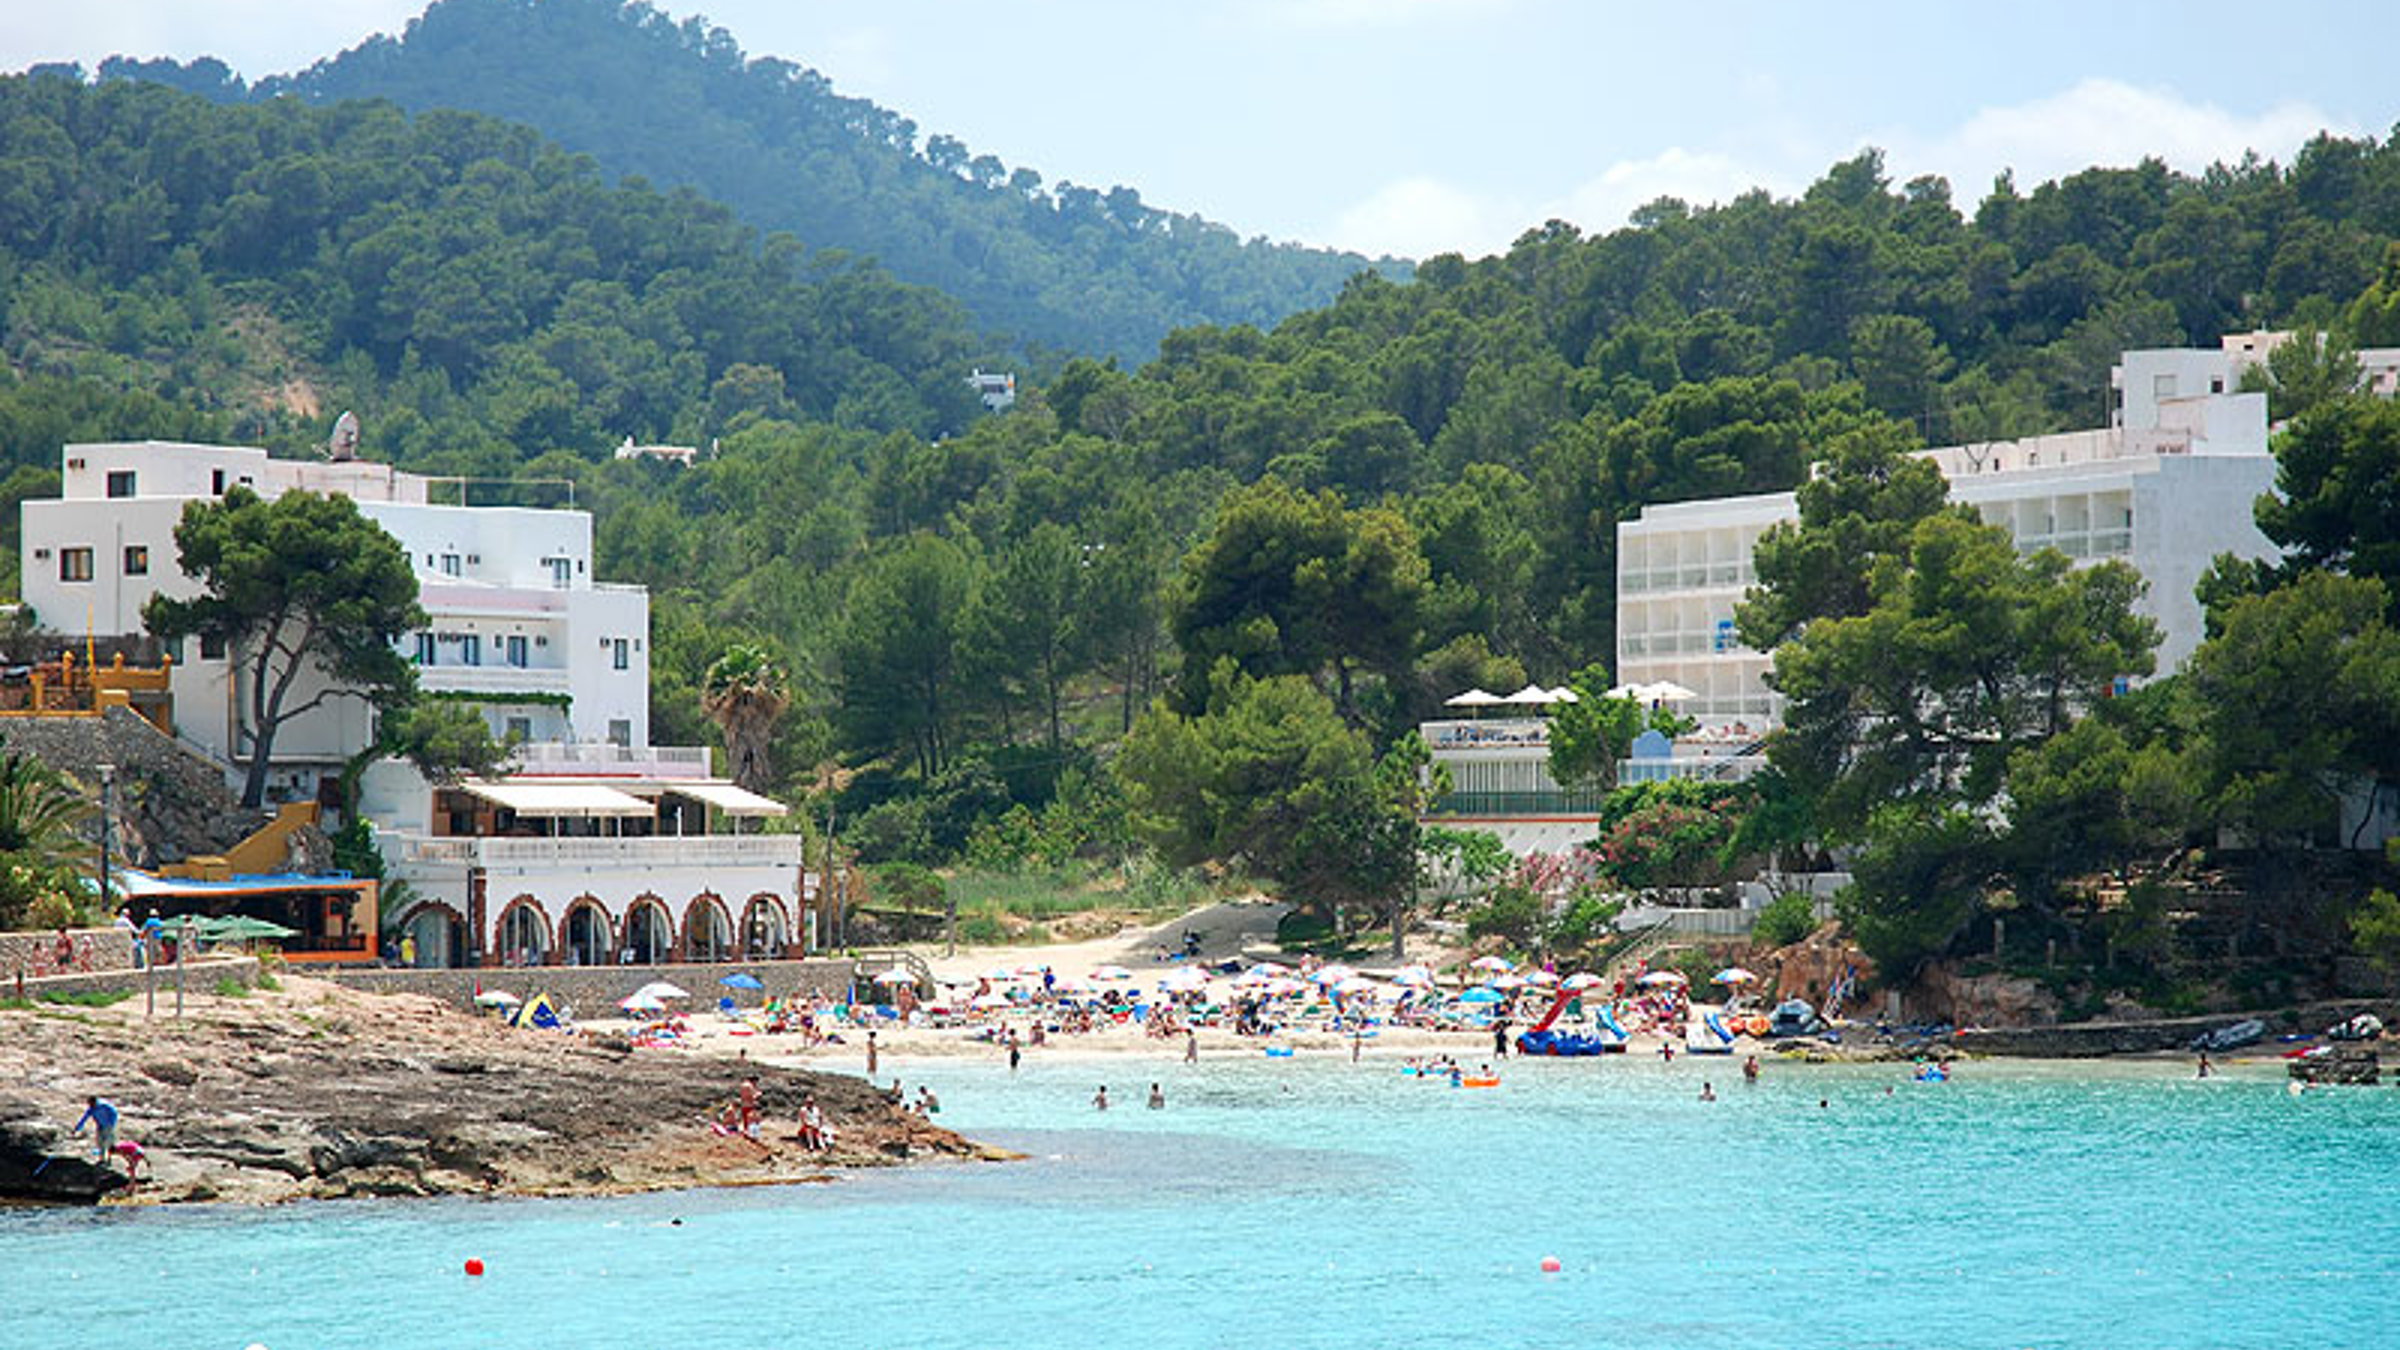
column 2099, row 122
column 1418, row 217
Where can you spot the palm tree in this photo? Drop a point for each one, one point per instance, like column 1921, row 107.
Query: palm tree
column 39, row 810
column 744, row 693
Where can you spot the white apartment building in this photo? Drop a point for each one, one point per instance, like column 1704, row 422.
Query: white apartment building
column 2166, row 488
column 597, row 839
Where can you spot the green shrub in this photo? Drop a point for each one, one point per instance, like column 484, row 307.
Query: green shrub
column 981, row 930
column 1786, row 920
column 229, row 987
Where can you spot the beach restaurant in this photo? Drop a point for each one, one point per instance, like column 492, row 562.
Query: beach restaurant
column 331, row 918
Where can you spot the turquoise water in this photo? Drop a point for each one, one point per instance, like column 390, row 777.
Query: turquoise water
column 1300, row 1203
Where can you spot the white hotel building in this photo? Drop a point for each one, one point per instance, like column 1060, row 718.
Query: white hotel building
column 596, row 846
column 2166, row 487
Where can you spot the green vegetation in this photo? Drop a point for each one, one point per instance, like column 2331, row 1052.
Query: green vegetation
column 300, row 580
column 229, row 987
column 41, row 856
column 1064, row 267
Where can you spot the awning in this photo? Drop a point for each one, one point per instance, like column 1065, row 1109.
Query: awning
column 733, row 801
column 560, row 799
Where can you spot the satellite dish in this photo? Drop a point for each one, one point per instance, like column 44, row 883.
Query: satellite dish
column 344, row 445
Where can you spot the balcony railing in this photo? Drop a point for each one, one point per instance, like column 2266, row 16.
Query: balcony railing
column 1705, row 769
column 1518, row 804
column 647, row 852
column 1498, row 734
column 602, row 757
column 493, row 679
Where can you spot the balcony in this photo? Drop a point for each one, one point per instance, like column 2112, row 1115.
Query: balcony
column 1504, row 734
column 489, row 681
column 1704, row 769
column 648, row 853
column 1506, row 804
column 566, row 759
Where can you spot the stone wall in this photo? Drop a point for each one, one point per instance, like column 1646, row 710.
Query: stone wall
column 594, row 991
column 98, row 950
column 171, row 801
column 201, row 977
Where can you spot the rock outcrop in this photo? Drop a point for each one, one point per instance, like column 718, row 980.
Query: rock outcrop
column 317, row 1091
column 2347, row 1065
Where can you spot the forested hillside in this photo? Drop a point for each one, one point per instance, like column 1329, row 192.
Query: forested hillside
column 1307, row 535
column 1066, row 267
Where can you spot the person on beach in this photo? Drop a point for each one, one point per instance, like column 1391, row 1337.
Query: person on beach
column 1358, row 1037
column 812, row 1124
column 1191, row 1046
column 2205, row 1068
column 1014, row 1052
column 1100, row 1098
column 1158, row 1098
column 870, row 1054
column 101, row 1114
column 749, row 1105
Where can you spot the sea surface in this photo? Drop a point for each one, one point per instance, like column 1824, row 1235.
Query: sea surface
column 1296, row 1203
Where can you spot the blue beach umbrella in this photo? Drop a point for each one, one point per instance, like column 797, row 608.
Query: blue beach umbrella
column 741, row 980
column 1480, row 994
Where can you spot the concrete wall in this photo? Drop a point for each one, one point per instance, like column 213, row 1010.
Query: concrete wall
column 594, row 991
column 201, row 977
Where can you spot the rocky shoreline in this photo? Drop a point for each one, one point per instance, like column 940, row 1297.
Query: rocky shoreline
column 314, row 1091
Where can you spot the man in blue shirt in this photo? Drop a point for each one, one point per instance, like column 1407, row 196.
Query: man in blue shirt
column 101, row 1115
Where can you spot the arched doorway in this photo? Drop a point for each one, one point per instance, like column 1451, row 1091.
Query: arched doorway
column 649, row 933
column 587, row 938
column 707, row 931
column 766, row 932
column 437, row 936
column 524, row 935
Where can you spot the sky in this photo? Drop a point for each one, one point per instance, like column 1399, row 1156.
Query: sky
column 1413, row 127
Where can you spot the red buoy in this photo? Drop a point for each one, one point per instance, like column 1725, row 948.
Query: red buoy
column 474, row 1265
column 1550, row 1265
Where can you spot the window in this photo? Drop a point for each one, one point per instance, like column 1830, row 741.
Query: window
column 137, row 560
column 120, row 482
column 520, row 729
column 216, row 482
column 470, row 650
column 516, row 650
column 2162, row 387
column 425, row 649
column 212, row 646
column 618, row 649
column 620, row 731
column 449, row 564
column 75, row 564
column 562, row 572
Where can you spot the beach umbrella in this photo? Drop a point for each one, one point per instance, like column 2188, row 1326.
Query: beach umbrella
column 1183, row 979
column 741, row 979
column 1284, row 986
column 1666, row 691
column 1333, row 974
column 1358, row 984
column 1000, row 973
column 1480, row 994
column 1658, row 977
column 1268, row 968
column 1473, row 698
column 988, row 1001
column 1542, row 977
column 1499, row 963
column 637, row 1001
column 660, row 989
column 1732, row 975
column 497, row 998
column 1508, row 982
column 1582, row 980
column 1418, row 976
column 897, row 975
column 1111, row 973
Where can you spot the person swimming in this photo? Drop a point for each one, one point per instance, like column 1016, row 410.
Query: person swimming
column 1158, row 1098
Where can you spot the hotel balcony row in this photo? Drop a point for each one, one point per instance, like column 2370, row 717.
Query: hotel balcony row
column 651, row 852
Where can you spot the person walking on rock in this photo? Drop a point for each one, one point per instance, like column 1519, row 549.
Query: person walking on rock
column 101, row 1114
